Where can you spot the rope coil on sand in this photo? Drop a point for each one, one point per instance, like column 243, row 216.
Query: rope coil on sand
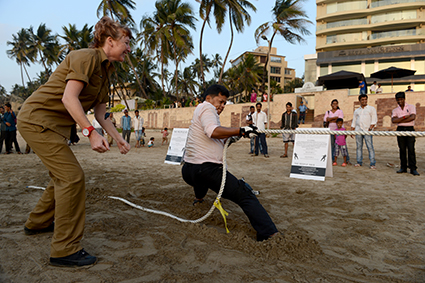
column 226, row 145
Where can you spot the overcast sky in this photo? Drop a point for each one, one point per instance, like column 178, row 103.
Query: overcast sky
column 18, row 14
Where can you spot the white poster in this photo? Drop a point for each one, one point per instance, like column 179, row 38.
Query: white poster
column 177, row 146
column 312, row 157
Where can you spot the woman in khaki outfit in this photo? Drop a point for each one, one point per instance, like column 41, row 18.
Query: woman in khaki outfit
column 80, row 83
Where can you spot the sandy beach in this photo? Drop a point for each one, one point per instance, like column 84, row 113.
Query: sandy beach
column 362, row 225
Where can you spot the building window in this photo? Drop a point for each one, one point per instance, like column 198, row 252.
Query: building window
column 381, row 3
column 275, row 70
column 276, row 59
column 394, row 16
column 345, row 6
column 287, row 72
column 346, row 37
column 395, row 33
column 263, row 59
column 276, row 79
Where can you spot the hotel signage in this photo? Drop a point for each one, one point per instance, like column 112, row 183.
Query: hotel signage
column 369, row 51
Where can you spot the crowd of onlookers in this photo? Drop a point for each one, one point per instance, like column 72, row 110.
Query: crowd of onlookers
column 8, row 130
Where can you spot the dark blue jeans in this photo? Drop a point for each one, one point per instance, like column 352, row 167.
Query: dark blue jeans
column 208, row 176
column 262, row 139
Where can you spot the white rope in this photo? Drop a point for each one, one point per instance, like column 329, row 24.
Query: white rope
column 223, row 183
column 354, row 133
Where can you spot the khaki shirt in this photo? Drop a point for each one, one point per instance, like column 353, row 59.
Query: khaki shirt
column 45, row 108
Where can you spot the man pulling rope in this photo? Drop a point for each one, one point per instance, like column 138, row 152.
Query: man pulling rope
column 204, row 160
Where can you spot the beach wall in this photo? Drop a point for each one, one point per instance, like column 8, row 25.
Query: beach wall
column 234, row 114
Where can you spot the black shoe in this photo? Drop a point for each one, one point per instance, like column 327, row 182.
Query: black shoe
column 402, row 170
column 414, row 173
column 80, row 258
column 30, row 232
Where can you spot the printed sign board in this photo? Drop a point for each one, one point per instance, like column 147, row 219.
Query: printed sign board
column 312, row 157
column 177, row 146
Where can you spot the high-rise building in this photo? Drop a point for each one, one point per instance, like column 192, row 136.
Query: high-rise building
column 366, row 36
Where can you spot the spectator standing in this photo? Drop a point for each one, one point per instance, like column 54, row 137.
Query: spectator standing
column 340, row 143
column 2, row 129
column 409, row 88
column 10, row 121
column 253, row 96
column 126, row 126
column 373, row 88
column 331, row 116
column 264, row 97
column 164, row 136
column 259, row 120
column 138, row 126
column 362, row 86
column 364, row 119
column 249, row 123
column 379, row 89
column 303, row 111
column 404, row 116
column 288, row 122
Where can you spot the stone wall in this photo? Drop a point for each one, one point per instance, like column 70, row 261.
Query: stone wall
column 234, row 115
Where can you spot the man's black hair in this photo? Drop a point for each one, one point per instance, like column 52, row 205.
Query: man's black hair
column 215, row 90
column 3, row 107
column 251, row 107
column 258, row 103
column 8, row 105
column 136, row 111
column 362, row 95
column 400, row 94
column 289, row 103
column 339, row 120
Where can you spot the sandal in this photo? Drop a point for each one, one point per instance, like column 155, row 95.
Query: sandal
column 196, row 201
column 344, row 164
column 284, row 156
column 334, row 164
column 357, row 165
column 373, row 167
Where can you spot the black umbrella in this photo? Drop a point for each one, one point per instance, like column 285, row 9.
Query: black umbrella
column 341, row 79
column 392, row 72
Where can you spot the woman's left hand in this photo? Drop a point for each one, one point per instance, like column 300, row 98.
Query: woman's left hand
column 123, row 146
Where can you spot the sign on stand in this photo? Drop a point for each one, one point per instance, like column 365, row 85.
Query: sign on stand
column 177, row 147
column 312, row 157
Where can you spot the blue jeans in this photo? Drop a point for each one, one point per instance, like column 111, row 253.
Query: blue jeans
column 208, row 176
column 359, row 150
column 138, row 134
column 252, row 142
column 261, row 142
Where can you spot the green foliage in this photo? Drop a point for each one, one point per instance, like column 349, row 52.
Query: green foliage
column 291, row 85
column 118, row 108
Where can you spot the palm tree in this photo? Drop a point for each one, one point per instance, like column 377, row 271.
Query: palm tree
column 187, row 84
column 45, row 45
column 219, row 10
column 119, row 9
column 21, row 51
column 199, row 65
column 288, row 20
column 76, row 39
column 154, row 37
column 178, row 18
column 249, row 72
column 216, row 63
column 291, row 85
column 238, row 16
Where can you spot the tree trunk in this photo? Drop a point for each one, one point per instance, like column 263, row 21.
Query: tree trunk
column 136, row 75
column 22, row 75
column 177, row 67
column 162, row 74
column 27, row 74
column 122, row 86
column 263, row 88
column 230, row 47
column 200, row 46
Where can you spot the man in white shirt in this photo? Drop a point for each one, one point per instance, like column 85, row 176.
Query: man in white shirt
column 259, row 119
column 203, row 158
column 138, row 125
column 379, row 89
column 373, row 87
column 364, row 119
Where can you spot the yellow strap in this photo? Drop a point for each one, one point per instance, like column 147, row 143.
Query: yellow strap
column 217, row 204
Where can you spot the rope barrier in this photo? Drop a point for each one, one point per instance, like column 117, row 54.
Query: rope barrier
column 217, row 204
column 354, row 133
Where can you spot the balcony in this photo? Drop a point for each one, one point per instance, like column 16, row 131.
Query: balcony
column 382, row 3
column 395, row 34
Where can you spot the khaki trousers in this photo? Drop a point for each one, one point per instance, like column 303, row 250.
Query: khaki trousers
column 64, row 198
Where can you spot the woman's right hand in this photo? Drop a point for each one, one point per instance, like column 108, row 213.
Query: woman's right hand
column 98, row 143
